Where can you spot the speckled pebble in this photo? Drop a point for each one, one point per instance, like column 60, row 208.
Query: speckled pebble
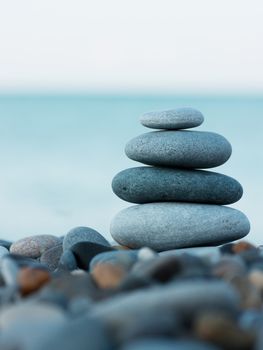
column 185, row 149
column 51, row 257
column 34, row 246
column 173, row 119
column 163, row 226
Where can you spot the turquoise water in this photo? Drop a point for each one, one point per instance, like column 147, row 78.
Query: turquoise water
column 59, row 154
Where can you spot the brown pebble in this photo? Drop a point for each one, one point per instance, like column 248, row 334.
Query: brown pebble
column 242, row 247
column 30, row 280
column 249, row 294
column 256, row 278
column 108, row 275
column 223, row 332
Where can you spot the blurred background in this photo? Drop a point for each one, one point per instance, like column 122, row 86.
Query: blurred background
column 75, row 78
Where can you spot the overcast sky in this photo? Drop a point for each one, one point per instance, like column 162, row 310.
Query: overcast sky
column 134, row 45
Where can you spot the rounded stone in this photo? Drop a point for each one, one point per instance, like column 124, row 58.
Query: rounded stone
column 153, row 184
column 164, row 226
column 83, row 234
column 185, row 149
column 173, row 119
column 34, row 246
column 51, row 257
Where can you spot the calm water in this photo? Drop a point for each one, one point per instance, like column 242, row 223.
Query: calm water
column 59, row 154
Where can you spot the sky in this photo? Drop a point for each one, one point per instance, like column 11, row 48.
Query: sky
column 134, row 45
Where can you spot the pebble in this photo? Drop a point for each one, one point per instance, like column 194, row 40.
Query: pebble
column 51, row 257
column 34, row 246
column 24, row 324
column 85, row 251
column 163, row 226
column 183, row 149
column 80, row 334
column 153, row 184
column 108, row 275
column 125, row 259
column 220, row 330
column 173, row 119
column 83, row 234
column 156, row 343
column 3, row 252
column 67, row 261
column 186, row 299
column 256, row 278
column 6, row 244
column 30, row 280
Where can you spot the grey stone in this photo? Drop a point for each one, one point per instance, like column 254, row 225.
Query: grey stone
column 152, row 184
column 51, row 257
column 185, row 149
column 3, row 252
column 185, row 299
column 164, row 226
column 34, row 246
column 25, row 323
column 80, row 334
column 68, row 261
column 5, row 243
column 179, row 118
column 9, row 271
column 83, row 234
column 168, row 344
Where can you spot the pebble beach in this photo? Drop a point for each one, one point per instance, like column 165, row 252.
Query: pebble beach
column 180, row 274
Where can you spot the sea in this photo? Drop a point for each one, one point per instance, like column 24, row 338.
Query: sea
column 59, row 153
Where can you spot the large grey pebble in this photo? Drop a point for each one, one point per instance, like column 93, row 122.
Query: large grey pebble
column 164, row 226
column 186, row 149
column 185, row 299
column 80, row 334
column 153, row 184
column 51, row 257
column 5, row 243
column 83, row 234
column 167, row 344
column 179, row 118
column 25, row 323
column 34, row 246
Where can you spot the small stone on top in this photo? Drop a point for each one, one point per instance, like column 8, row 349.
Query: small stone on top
column 173, row 119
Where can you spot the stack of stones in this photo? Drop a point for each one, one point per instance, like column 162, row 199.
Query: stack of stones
column 179, row 206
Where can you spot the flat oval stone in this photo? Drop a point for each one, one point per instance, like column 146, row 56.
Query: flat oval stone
column 34, row 246
column 173, row 119
column 83, row 234
column 152, row 184
column 164, row 226
column 182, row 148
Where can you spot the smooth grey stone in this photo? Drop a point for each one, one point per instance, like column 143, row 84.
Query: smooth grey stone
column 78, row 334
column 186, row 299
column 164, row 226
column 9, row 271
column 153, row 184
column 183, row 149
column 173, row 119
column 168, row 344
column 83, row 234
column 68, row 261
column 34, row 246
column 51, row 257
column 6, row 244
column 25, row 323
column 126, row 259
column 3, row 252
